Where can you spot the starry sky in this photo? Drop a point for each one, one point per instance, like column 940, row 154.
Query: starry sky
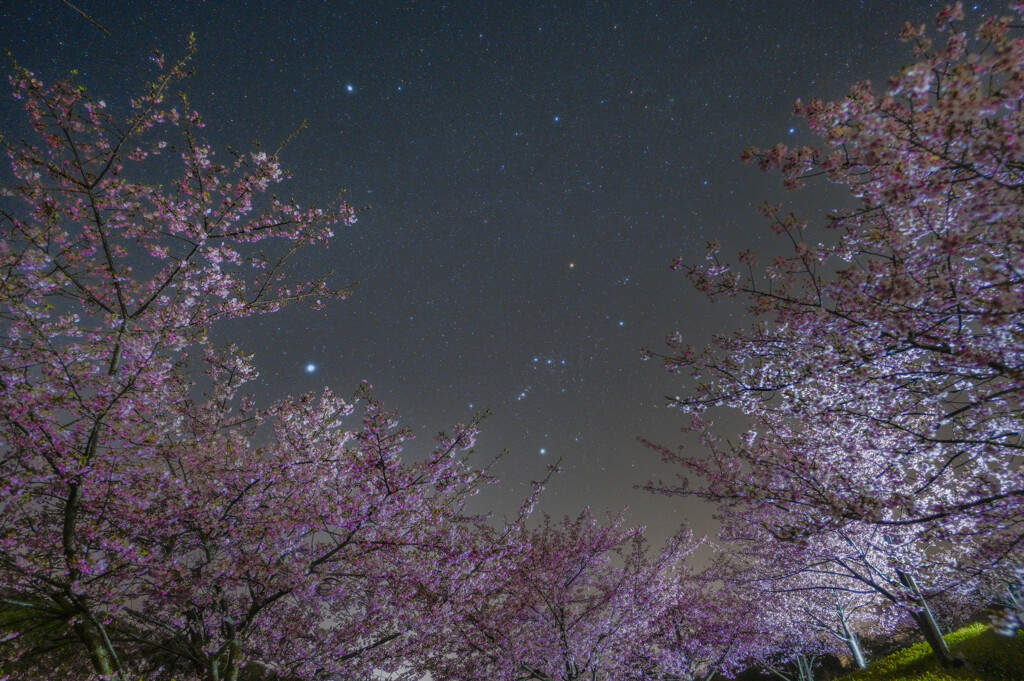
column 529, row 170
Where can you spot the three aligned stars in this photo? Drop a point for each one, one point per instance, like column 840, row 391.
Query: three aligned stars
column 537, row 363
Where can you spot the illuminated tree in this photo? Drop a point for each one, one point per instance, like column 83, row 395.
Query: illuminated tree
column 884, row 383
column 577, row 599
column 150, row 525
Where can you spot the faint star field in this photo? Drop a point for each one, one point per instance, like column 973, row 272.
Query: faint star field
column 526, row 173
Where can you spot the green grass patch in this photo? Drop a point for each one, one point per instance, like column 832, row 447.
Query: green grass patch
column 990, row 657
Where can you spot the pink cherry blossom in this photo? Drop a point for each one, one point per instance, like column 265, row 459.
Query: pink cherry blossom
column 157, row 524
column 882, row 385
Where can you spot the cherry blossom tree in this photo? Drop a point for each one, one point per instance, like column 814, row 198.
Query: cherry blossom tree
column 709, row 630
column 843, row 589
column 1010, row 605
column 148, row 526
column 734, row 615
column 577, row 601
column 809, row 601
column 322, row 553
column 833, row 612
column 884, row 382
column 864, row 561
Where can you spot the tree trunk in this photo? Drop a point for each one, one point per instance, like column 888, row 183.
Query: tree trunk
column 98, row 653
column 927, row 624
column 853, row 643
column 805, row 667
column 858, row 654
column 235, row 652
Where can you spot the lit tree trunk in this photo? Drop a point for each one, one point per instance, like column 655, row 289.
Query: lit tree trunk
column 926, row 622
column 853, row 643
column 804, row 669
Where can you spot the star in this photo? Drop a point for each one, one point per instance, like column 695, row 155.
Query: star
column 310, row 368
column 350, row 87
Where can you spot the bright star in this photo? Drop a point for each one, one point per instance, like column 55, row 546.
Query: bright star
column 310, row 368
column 350, row 87
column 543, row 451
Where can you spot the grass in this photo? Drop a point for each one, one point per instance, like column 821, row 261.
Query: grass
column 990, row 657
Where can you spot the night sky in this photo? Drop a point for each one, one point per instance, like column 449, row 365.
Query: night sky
column 530, row 171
